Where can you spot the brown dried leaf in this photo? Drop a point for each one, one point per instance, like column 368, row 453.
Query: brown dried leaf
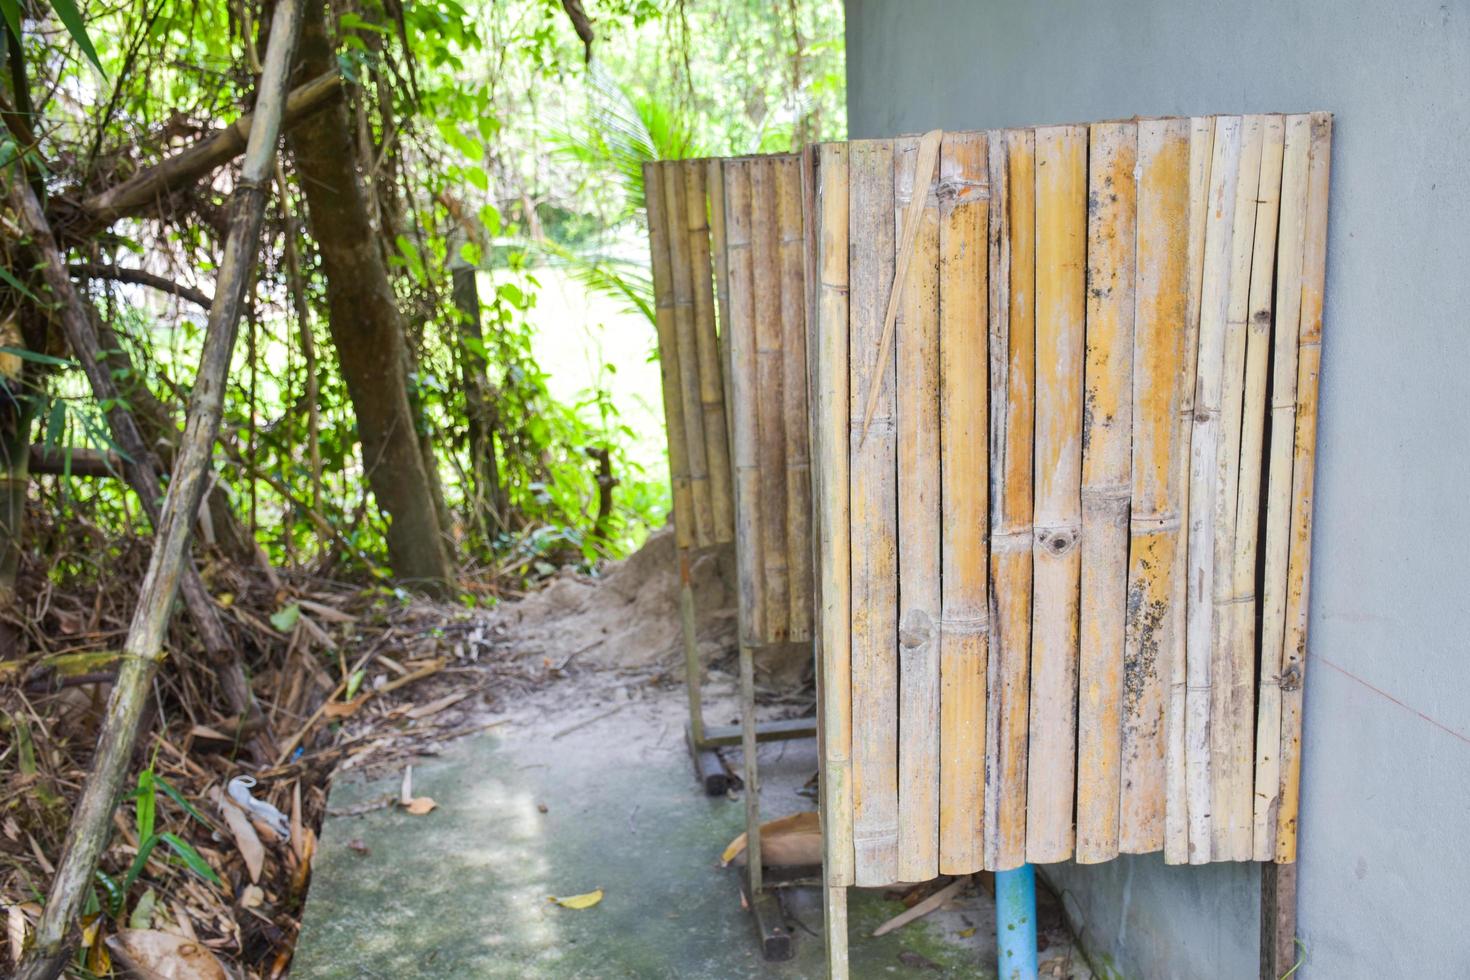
column 247, row 841
column 792, row 841
column 420, row 805
column 155, row 955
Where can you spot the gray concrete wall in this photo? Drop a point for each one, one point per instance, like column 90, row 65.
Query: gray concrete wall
column 1385, row 864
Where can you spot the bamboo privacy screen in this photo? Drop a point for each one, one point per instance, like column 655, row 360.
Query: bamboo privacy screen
column 1064, row 520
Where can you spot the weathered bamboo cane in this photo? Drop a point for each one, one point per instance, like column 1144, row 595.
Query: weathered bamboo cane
column 958, row 549
column 143, row 648
column 770, row 378
column 1106, row 491
column 874, row 516
column 1292, row 238
column 793, row 407
column 715, row 185
column 1309, row 355
column 1061, row 240
column 707, row 348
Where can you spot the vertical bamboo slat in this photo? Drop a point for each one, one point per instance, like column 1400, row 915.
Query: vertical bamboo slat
column 874, row 517
column 1292, row 237
column 707, row 348
column 957, row 467
column 1106, row 466
column 1012, row 408
column 668, row 356
column 1061, row 208
column 797, row 463
column 1309, row 355
column 715, row 185
column 1154, row 620
column 770, row 386
column 830, row 431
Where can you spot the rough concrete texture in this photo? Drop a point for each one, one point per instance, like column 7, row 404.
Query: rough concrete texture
column 524, row 814
column 1387, row 742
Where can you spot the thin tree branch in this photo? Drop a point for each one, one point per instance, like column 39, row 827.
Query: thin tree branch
column 97, row 270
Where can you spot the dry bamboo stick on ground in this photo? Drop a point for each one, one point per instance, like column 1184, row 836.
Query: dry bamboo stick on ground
column 830, row 431
column 1013, row 375
column 1106, row 467
column 1176, row 752
column 1061, row 208
column 916, row 336
column 1291, row 235
column 1230, row 795
column 687, row 350
column 1309, row 353
column 711, row 379
column 874, row 517
column 794, row 395
column 1204, row 478
column 769, row 386
column 668, row 356
column 961, row 429
column 1154, row 622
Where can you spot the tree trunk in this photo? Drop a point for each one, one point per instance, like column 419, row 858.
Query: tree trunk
column 489, row 503
column 16, row 416
column 366, row 327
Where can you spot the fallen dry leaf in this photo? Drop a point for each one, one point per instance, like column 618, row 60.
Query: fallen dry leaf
column 247, row 841
column 420, row 805
column 155, row 955
column 252, row 897
column 436, row 706
column 16, row 930
column 788, row 842
column 584, row 901
column 344, row 709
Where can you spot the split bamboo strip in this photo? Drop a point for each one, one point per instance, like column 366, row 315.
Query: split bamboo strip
column 668, row 357
column 797, row 462
column 1107, row 416
column 1309, row 355
column 715, row 185
column 740, row 342
column 1204, row 478
column 1012, row 407
column 769, row 392
column 1155, row 622
column 1061, row 209
column 1177, row 755
column 685, row 345
column 874, row 517
column 1292, row 235
column 1232, row 677
column 830, row 442
column 957, row 474
column 711, row 379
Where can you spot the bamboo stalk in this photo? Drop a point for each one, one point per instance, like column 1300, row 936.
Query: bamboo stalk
column 685, row 531
column 1012, row 407
column 1061, row 207
column 794, row 396
column 1309, row 353
column 1230, row 787
column 707, row 347
column 1292, row 237
column 770, row 398
column 873, row 513
column 686, row 347
column 1107, row 415
column 715, row 185
column 958, row 475
column 830, row 442
column 1154, row 621
column 744, row 402
column 1177, row 755
column 1204, row 478
column 917, row 334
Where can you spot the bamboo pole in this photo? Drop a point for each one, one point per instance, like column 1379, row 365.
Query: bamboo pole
column 1309, row 354
column 1061, row 207
column 1154, row 622
column 770, row 398
column 1204, row 478
column 873, row 513
column 707, row 348
column 1012, row 409
column 917, row 335
column 1177, row 755
column 143, row 649
column 793, row 409
column 668, row 354
column 686, row 348
column 830, row 442
column 715, row 185
column 1230, row 787
column 954, row 551
column 1292, row 237
column 1106, row 490
column 744, row 402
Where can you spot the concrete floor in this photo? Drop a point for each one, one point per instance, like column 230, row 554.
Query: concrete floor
column 524, row 814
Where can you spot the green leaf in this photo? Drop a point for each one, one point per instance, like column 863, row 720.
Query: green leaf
column 147, row 804
column 17, row 285
column 172, row 793
column 72, row 18
column 285, row 620
column 36, row 356
column 11, row 11
column 145, row 848
column 192, row 858
column 115, row 894
column 142, row 914
column 354, row 683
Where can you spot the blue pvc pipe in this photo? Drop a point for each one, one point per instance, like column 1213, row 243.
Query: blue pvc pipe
column 1015, row 923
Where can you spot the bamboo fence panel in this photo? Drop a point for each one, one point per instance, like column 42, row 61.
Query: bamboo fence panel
column 769, row 392
column 795, row 461
column 707, row 350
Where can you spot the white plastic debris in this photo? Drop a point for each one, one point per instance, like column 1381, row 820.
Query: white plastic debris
column 239, row 790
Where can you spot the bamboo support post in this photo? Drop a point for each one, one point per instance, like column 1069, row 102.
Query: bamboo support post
column 707, row 349
column 770, row 374
column 797, row 465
